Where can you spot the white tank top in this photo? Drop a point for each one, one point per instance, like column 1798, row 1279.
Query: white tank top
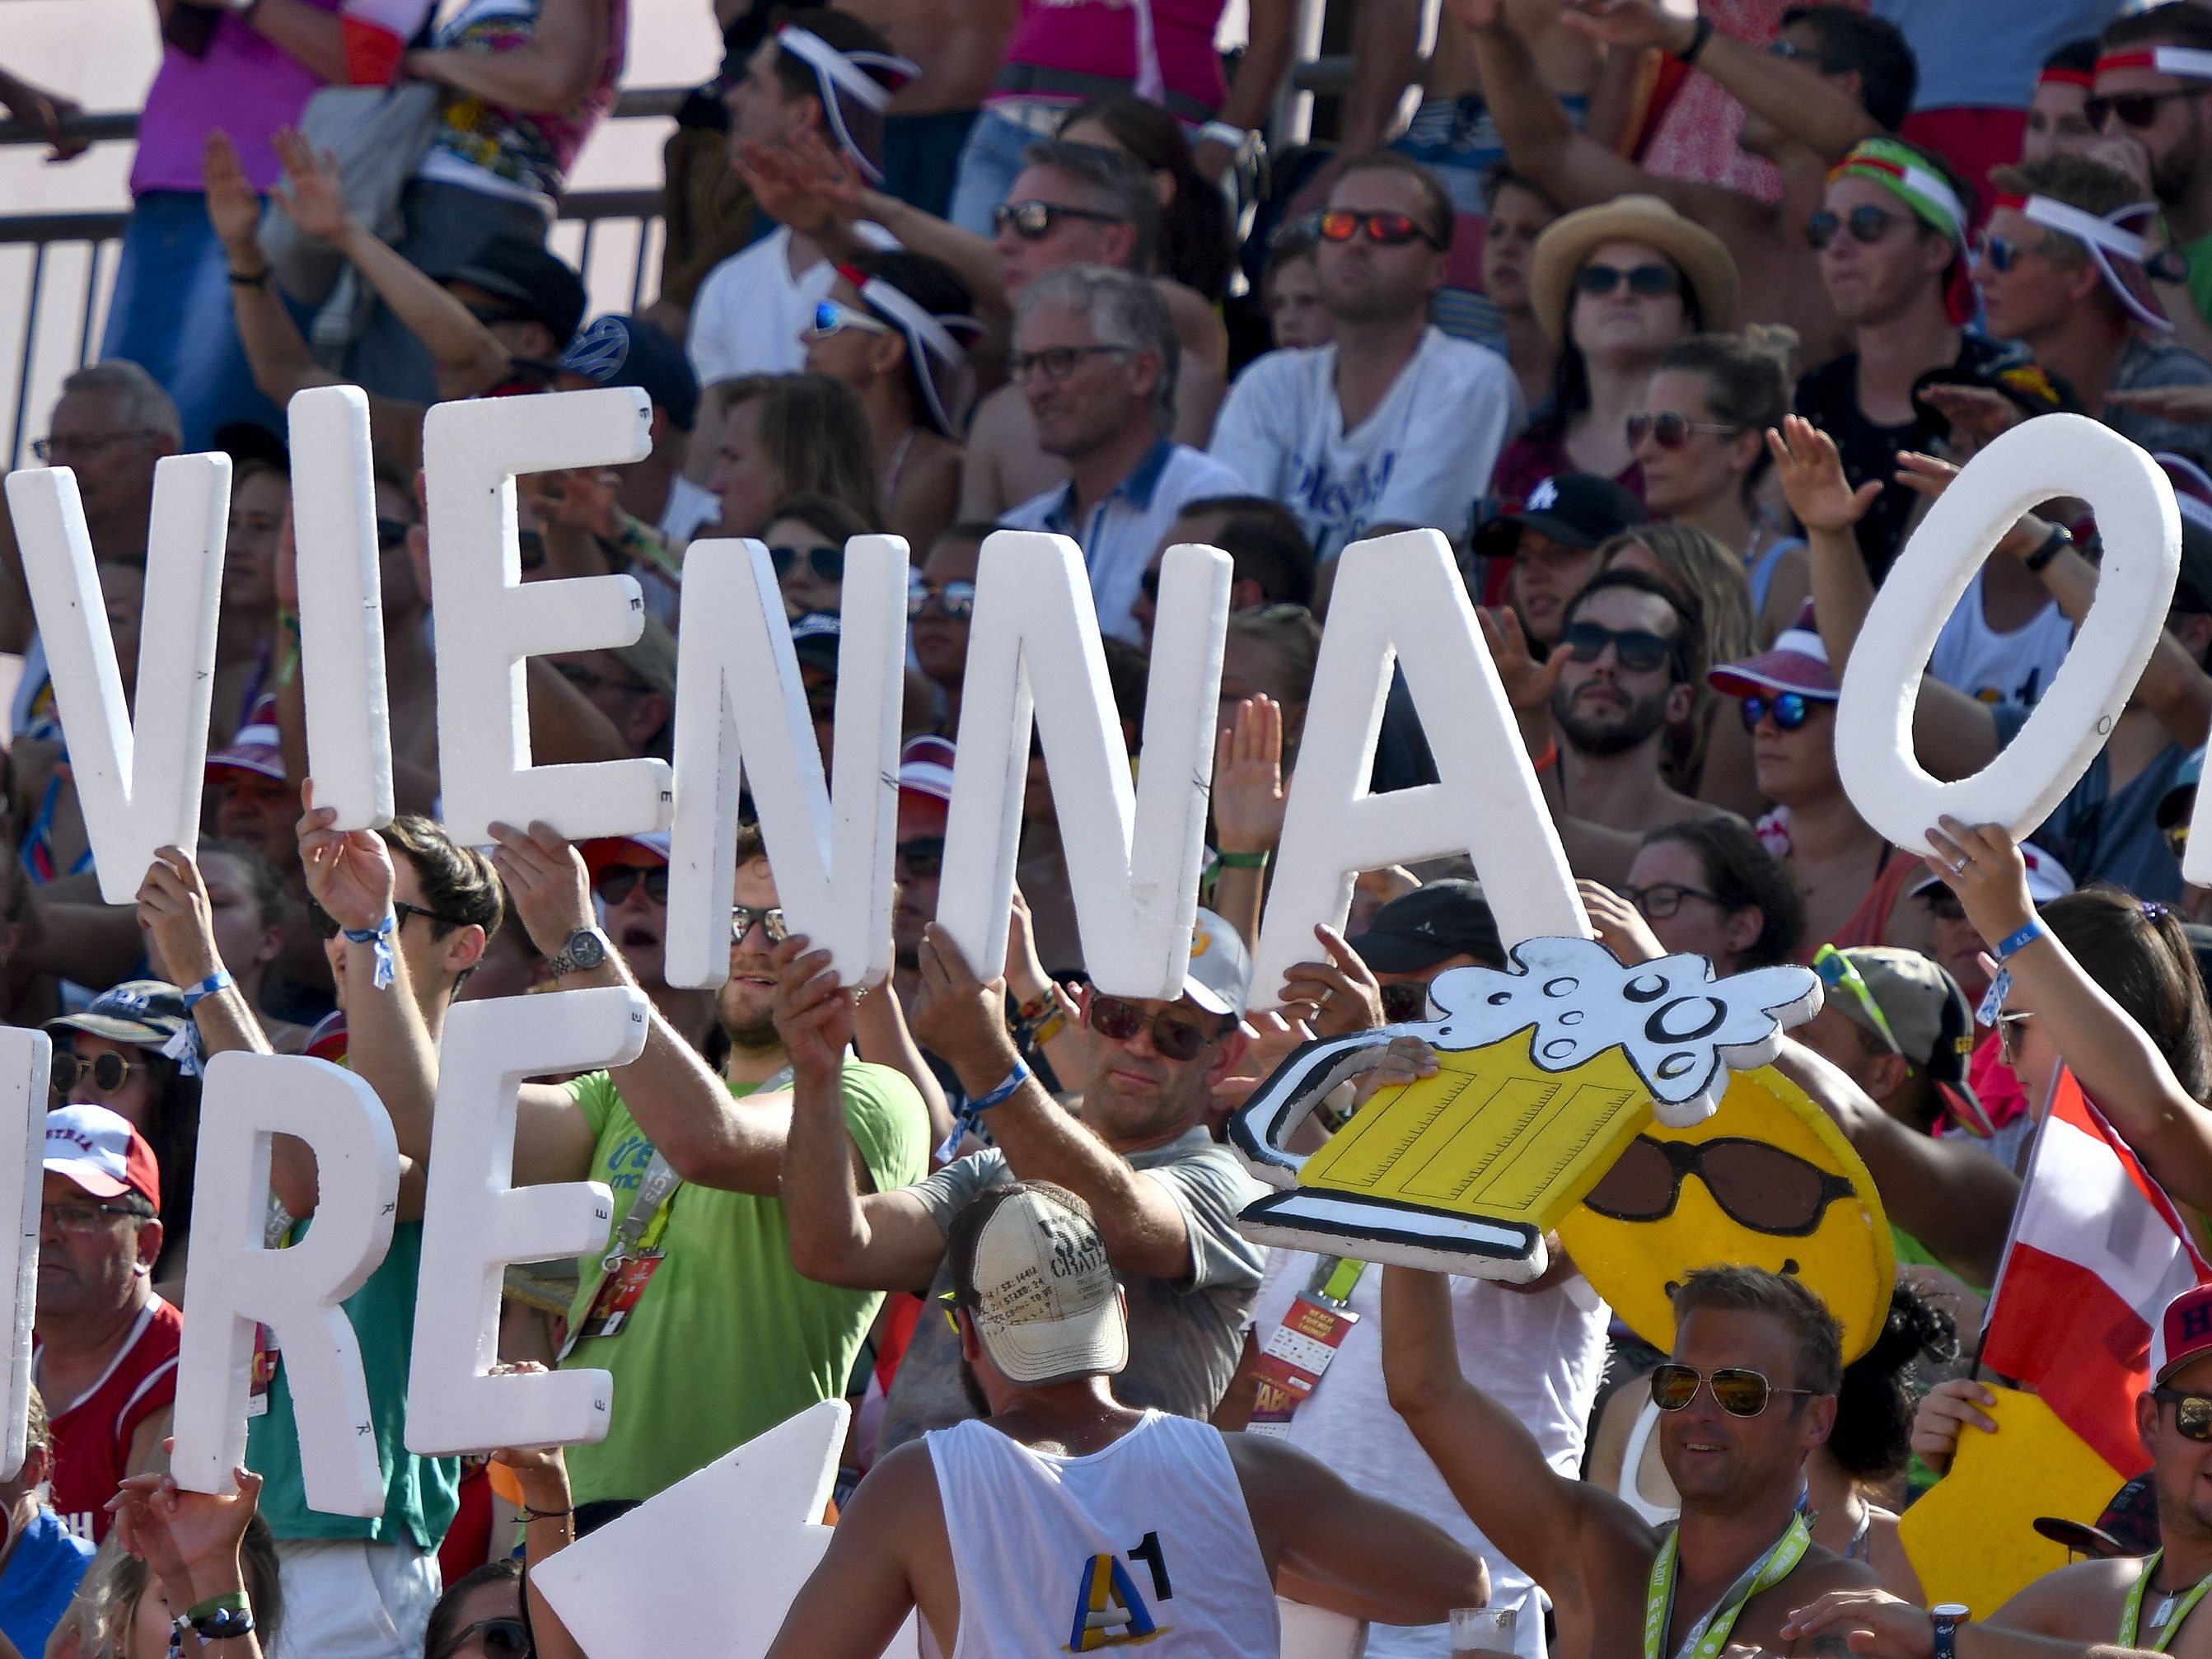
column 1146, row 1543
column 2015, row 668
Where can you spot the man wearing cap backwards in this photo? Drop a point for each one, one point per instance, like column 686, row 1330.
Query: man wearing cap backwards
column 1166, row 1194
column 1551, row 536
column 1749, row 1392
column 104, row 1351
column 2095, row 1608
column 1069, row 1521
column 2148, row 105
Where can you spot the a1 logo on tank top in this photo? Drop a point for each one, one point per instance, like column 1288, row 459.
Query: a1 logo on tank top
column 1109, row 1611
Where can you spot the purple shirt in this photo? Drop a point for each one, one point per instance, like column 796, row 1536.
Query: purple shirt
column 245, row 84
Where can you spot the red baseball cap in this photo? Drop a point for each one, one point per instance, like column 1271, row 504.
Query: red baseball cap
column 2184, row 1333
column 98, row 1150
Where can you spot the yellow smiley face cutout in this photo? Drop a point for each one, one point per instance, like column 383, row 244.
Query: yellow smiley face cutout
column 1767, row 1181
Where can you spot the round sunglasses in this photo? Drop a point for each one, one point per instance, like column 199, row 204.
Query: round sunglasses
column 825, row 560
column 1866, row 224
column 1119, row 1020
column 618, row 881
column 1788, row 709
column 1756, row 1185
column 1646, row 282
column 1670, row 429
column 1636, row 651
column 108, row 1071
column 1385, row 229
column 1738, row 1392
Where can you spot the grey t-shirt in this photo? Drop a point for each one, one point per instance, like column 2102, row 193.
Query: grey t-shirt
column 2150, row 362
column 1184, row 1336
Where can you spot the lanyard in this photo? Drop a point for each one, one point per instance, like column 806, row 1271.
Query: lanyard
column 1710, row 1633
column 655, row 1188
column 1334, row 1279
column 2172, row 1616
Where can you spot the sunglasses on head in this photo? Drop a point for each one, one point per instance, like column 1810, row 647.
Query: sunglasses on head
column 830, row 318
column 1118, row 1021
column 956, row 600
column 2135, row 109
column 1637, row 652
column 1788, row 710
column 825, row 560
column 923, row 857
column 618, row 881
column 1670, row 429
column 1646, row 282
column 1660, row 901
column 1406, row 1001
column 1866, row 224
column 1838, row 972
column 742, row 916
column 1032, row 220
column 2192, row 1412
column 1738, row 1392
column 1755, row 1184
column 108, row 1071
column 502, row 1638
column 1385, row 229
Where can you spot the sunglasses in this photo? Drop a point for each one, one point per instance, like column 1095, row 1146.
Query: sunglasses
column 1660, row 901
column 82, row 1218
column 1056, row 363
column 1646, row 282
column 2192, row 1412
column 2011, row 1028
column 1670, row 429
column 618, row 881
column 1866, row 224
column 923, row 857
column 502, row 1638
column 1118, row 1021
column 956, row 600
column 327, row 925
column 108, row 1071
column 742, row 916
column 1406, row 1001
column 1838, row 972
column 1998, row 253
column 1032, row 220
column 1788, row 709
column 830, row 318
column 826, row 562
column 2135, row 109
column 1384, row 229
column 1636, row 651
column 1738, row 1392
column 1755, row 1184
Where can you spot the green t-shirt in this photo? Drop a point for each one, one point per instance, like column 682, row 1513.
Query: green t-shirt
column 421, row 1493
column 727, row 1339
column 2198, row 256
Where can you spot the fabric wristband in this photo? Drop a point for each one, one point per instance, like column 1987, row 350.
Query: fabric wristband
column 213, row 985
column 380, row 937
column 2013, row 944
column 970, row 1112
column 1243, row 860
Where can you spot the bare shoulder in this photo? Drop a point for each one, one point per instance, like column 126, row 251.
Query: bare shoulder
column 2081, row 1602
column 900, row 1489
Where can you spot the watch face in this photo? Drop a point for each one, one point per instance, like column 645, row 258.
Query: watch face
column 585, row 949
column 1955, row 1611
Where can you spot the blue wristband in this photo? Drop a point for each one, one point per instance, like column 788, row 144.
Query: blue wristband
column 971, row 1113
column 2013, row 944
column 1005, row 1091
column 214, row 985
column 380, row 937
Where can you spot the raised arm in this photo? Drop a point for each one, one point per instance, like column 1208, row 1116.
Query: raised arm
column 275, row 350
column 551, row 70
column 311, row 33
column 1271, row 39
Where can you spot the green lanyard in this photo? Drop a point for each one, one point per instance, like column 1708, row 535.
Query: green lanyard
column 1711, row 1634
column 2132, row 1614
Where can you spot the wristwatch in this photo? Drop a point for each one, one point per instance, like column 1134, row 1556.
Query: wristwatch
column 583, row 949
column 1949, row 1616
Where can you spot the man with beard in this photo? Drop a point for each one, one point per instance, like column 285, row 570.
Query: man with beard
column 1349, row 435
column 711, row 1336
column 2152, row 81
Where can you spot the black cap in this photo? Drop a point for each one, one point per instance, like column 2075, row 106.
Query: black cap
column 1577, row 509
column 617, row 350
column 249, row 440
column 814, row 639
column 1441, row 919
column 528, row 278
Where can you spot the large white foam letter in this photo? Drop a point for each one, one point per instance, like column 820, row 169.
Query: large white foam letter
column 1133, row 854
column 137, row 779
column 26, row 1059
column 341, row 606
column 237, row 1281
column 476, row 1221
column 1398, row 598
column 741, row 716
column 489, row 620
column 2052, row 455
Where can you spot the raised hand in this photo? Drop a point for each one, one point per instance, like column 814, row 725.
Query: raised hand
column 1636, row 24
column 313, row 190
column 177, row 919
column 1528, row 683
column 1977, row 413
column 1269, row 1038
column 234, row 206
column 1982, row 865
column 1811, row 476
column 2172, row 403
column 812, row 1009
column 785, row 189
column 1620, row 925
column 193, row 1531
column 1946, row 1412
column 957, row 1015
column 1337, row 996
column 349, row 871
column 46, row 110
column 1249, row 792
column 544, row 875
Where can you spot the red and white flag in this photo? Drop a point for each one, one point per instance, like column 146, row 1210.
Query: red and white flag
column 375, row 33
column 2096, row 1251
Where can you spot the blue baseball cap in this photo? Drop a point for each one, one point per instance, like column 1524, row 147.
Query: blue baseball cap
column 619, row 350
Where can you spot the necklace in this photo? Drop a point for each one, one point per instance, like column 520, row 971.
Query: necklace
column 2165, row 1616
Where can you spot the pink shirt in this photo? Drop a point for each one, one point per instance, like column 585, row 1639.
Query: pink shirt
column 1111, row 37
column 245, row 84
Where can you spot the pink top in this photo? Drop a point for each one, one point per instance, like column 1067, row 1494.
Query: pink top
column 1158, row 46
column 245, row 84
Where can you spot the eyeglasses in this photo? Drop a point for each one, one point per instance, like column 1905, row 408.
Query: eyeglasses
column 1998, row 253
column 830, row 318
column 82, row 443
column 950, row 1302
column 956, row 600
column 390, row 533
column 1866, row 224
column 826, row 562
column 1032, row 220
column 742, row 916
column 923, row 857
column 1646, row 282
column 85, row 1218
column 1663, row 899
column 2135, row 109
column 503, row 1638
column 1118, row 1021
column 1756, row 1184
column 1057, row 362
column 1738, row 1392
column 1385, row 229
column 618, row 881
column 1788, row 709
column 327, row 925
column 2011, row 1028
column 1670, row 429
column 1840, row 973
column 1637, row 650
column 2192, row 1412
column 585, row 680
column 1406, row 1001
column 108, row 1071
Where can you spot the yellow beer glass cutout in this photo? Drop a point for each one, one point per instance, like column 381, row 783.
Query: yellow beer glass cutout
column 1546, row 1073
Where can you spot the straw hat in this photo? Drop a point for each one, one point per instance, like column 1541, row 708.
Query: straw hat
column 1568, row 241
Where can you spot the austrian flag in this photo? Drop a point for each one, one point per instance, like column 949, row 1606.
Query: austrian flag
column 375, row 33
column 2096, row 1251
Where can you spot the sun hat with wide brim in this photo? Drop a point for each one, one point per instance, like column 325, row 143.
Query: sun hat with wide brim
column 1569, row 240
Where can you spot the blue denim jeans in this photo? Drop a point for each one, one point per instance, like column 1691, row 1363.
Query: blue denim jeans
column 989, row 163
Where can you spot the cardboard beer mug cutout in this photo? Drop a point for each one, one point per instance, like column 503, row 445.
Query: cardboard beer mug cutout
column 1547, row 1072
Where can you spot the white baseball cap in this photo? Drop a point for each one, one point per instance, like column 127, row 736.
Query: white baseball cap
column 1220, row 972
column 1045, row 1304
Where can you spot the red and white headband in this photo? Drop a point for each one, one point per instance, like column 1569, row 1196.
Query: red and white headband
column 843, row 75
column 2106, row 237
column 2185, row 62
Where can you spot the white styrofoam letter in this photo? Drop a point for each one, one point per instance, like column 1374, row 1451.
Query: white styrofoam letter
column 741, row 714
column 2051, row 455
column 489, row 620
column 1398, row 598
column 248, row 1100
column 476, row 1221
column 138, row 766
column 26, row 1063
column 1133, row 854
column 341, row 606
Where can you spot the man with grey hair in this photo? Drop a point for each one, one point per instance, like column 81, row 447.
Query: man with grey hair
column 1095, row 354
